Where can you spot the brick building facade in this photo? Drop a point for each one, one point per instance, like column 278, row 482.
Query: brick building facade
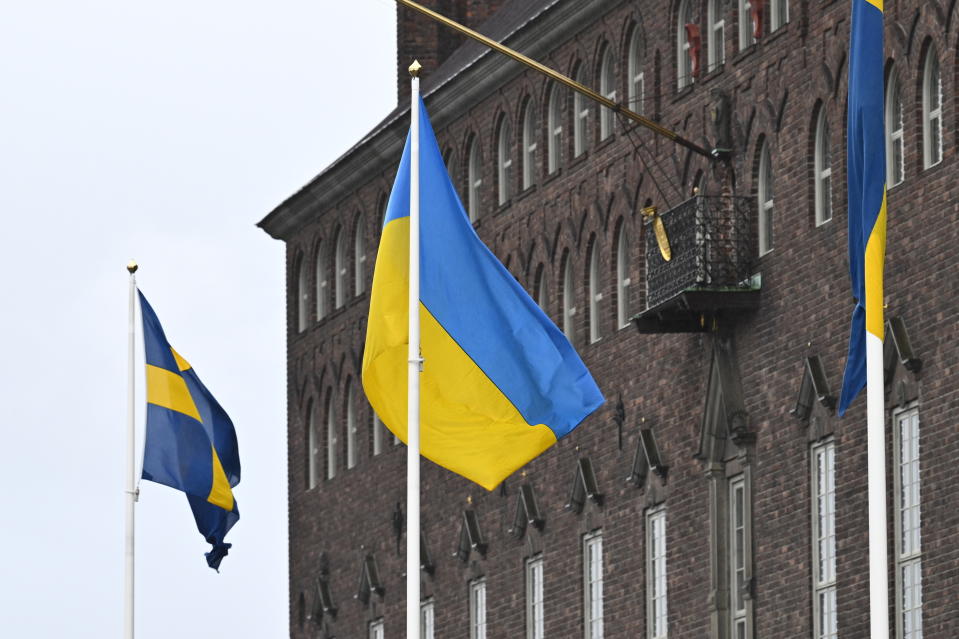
column 703, row 499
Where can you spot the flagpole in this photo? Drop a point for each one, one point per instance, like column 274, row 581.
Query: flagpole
column 130, row 492
column 876, row 471
column 413, row 375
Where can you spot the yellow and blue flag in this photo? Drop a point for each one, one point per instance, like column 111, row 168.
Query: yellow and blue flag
column 866, row 150
column 190, row 441
column 500, row 382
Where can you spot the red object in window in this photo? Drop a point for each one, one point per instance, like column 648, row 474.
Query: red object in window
column 695, row 47
column 756, row 11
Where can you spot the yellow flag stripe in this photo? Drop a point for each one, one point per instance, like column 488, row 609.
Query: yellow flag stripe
column 181, row 363
column 167, row 389
column 875, row 255
column 220, row 494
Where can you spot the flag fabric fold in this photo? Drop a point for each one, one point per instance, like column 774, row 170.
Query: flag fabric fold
column 190, row 441
column 866, row 152
column 500, row 382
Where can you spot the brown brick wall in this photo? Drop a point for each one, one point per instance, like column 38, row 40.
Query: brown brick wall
column 775, row 87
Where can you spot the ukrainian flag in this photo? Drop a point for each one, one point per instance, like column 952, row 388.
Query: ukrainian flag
column 190, row 441
column 500, row 383
column 866, row 149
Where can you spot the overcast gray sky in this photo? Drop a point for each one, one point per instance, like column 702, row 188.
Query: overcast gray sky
column 162, row 131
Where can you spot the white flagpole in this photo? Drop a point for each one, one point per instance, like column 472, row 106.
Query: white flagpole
column 130, row 492
column 413, row 375
column 876, row 472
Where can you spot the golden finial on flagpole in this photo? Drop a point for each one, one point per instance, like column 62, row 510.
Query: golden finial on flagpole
column 132, row 266
column 415, row 68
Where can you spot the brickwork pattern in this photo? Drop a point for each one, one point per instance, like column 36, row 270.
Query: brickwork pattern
column 775, row 87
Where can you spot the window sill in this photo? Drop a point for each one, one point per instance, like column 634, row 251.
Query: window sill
column 555, row 175
column 502, row 208
column 525, row 193
column 778, row 33
column 578, row 160
column 605, row 142
column 745, row 53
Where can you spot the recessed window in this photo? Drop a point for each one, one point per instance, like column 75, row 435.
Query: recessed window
column 607, row 87
column 746, row 38
column 554, row 134
column 359, row 255
column 684, row 58
column 427, row 619
column 580, row 115
column 474, row 180
column 541, row 292
column 823, row 170
column 331, row 440
column 779, row 14
column 717, row 34
column 895, row 149
column 529, row 144
column 315, row 461
column 595, row 295
column 478, row 609
column 593, row 585
column 907, row 514
column 322, row 283
column 656, row 592
column 622, row 279
column 379, row 433
column 534, row 598
column 736, row 554
column 340, row 270
column 931, row 110
column 351, row 429
column 764, row 194
column 824, row 541
column 636, row 73
column 569, row 306
column 376, row 629
column 504, row 160
column 302, row 296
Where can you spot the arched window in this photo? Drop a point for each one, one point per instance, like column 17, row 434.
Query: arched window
column 340, row 270
column 636, row 73
column 779, row 14
column 746, row 38
column 931, row 110
column 622, row 278
column 504, row 162
column 473, row 179
column 569, row 307
column 684, row 58
column 351, row 444
column 315, row 461
column 580, row 115
column 823, row 169
column 555, row 133
column 302, row 295
column 529, row 144
column 448, row 161
column 895, row 152
column 717, row 34
column 331, row 439
column 607, row 87
column 322, row 284
column 595, row 295
column 378, row 433
column 359, row 255
column 541, row 292
column 765, row 200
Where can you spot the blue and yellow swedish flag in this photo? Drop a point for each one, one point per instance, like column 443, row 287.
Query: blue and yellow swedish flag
column 500, row 382
column 190, row 441
column 866, row 149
